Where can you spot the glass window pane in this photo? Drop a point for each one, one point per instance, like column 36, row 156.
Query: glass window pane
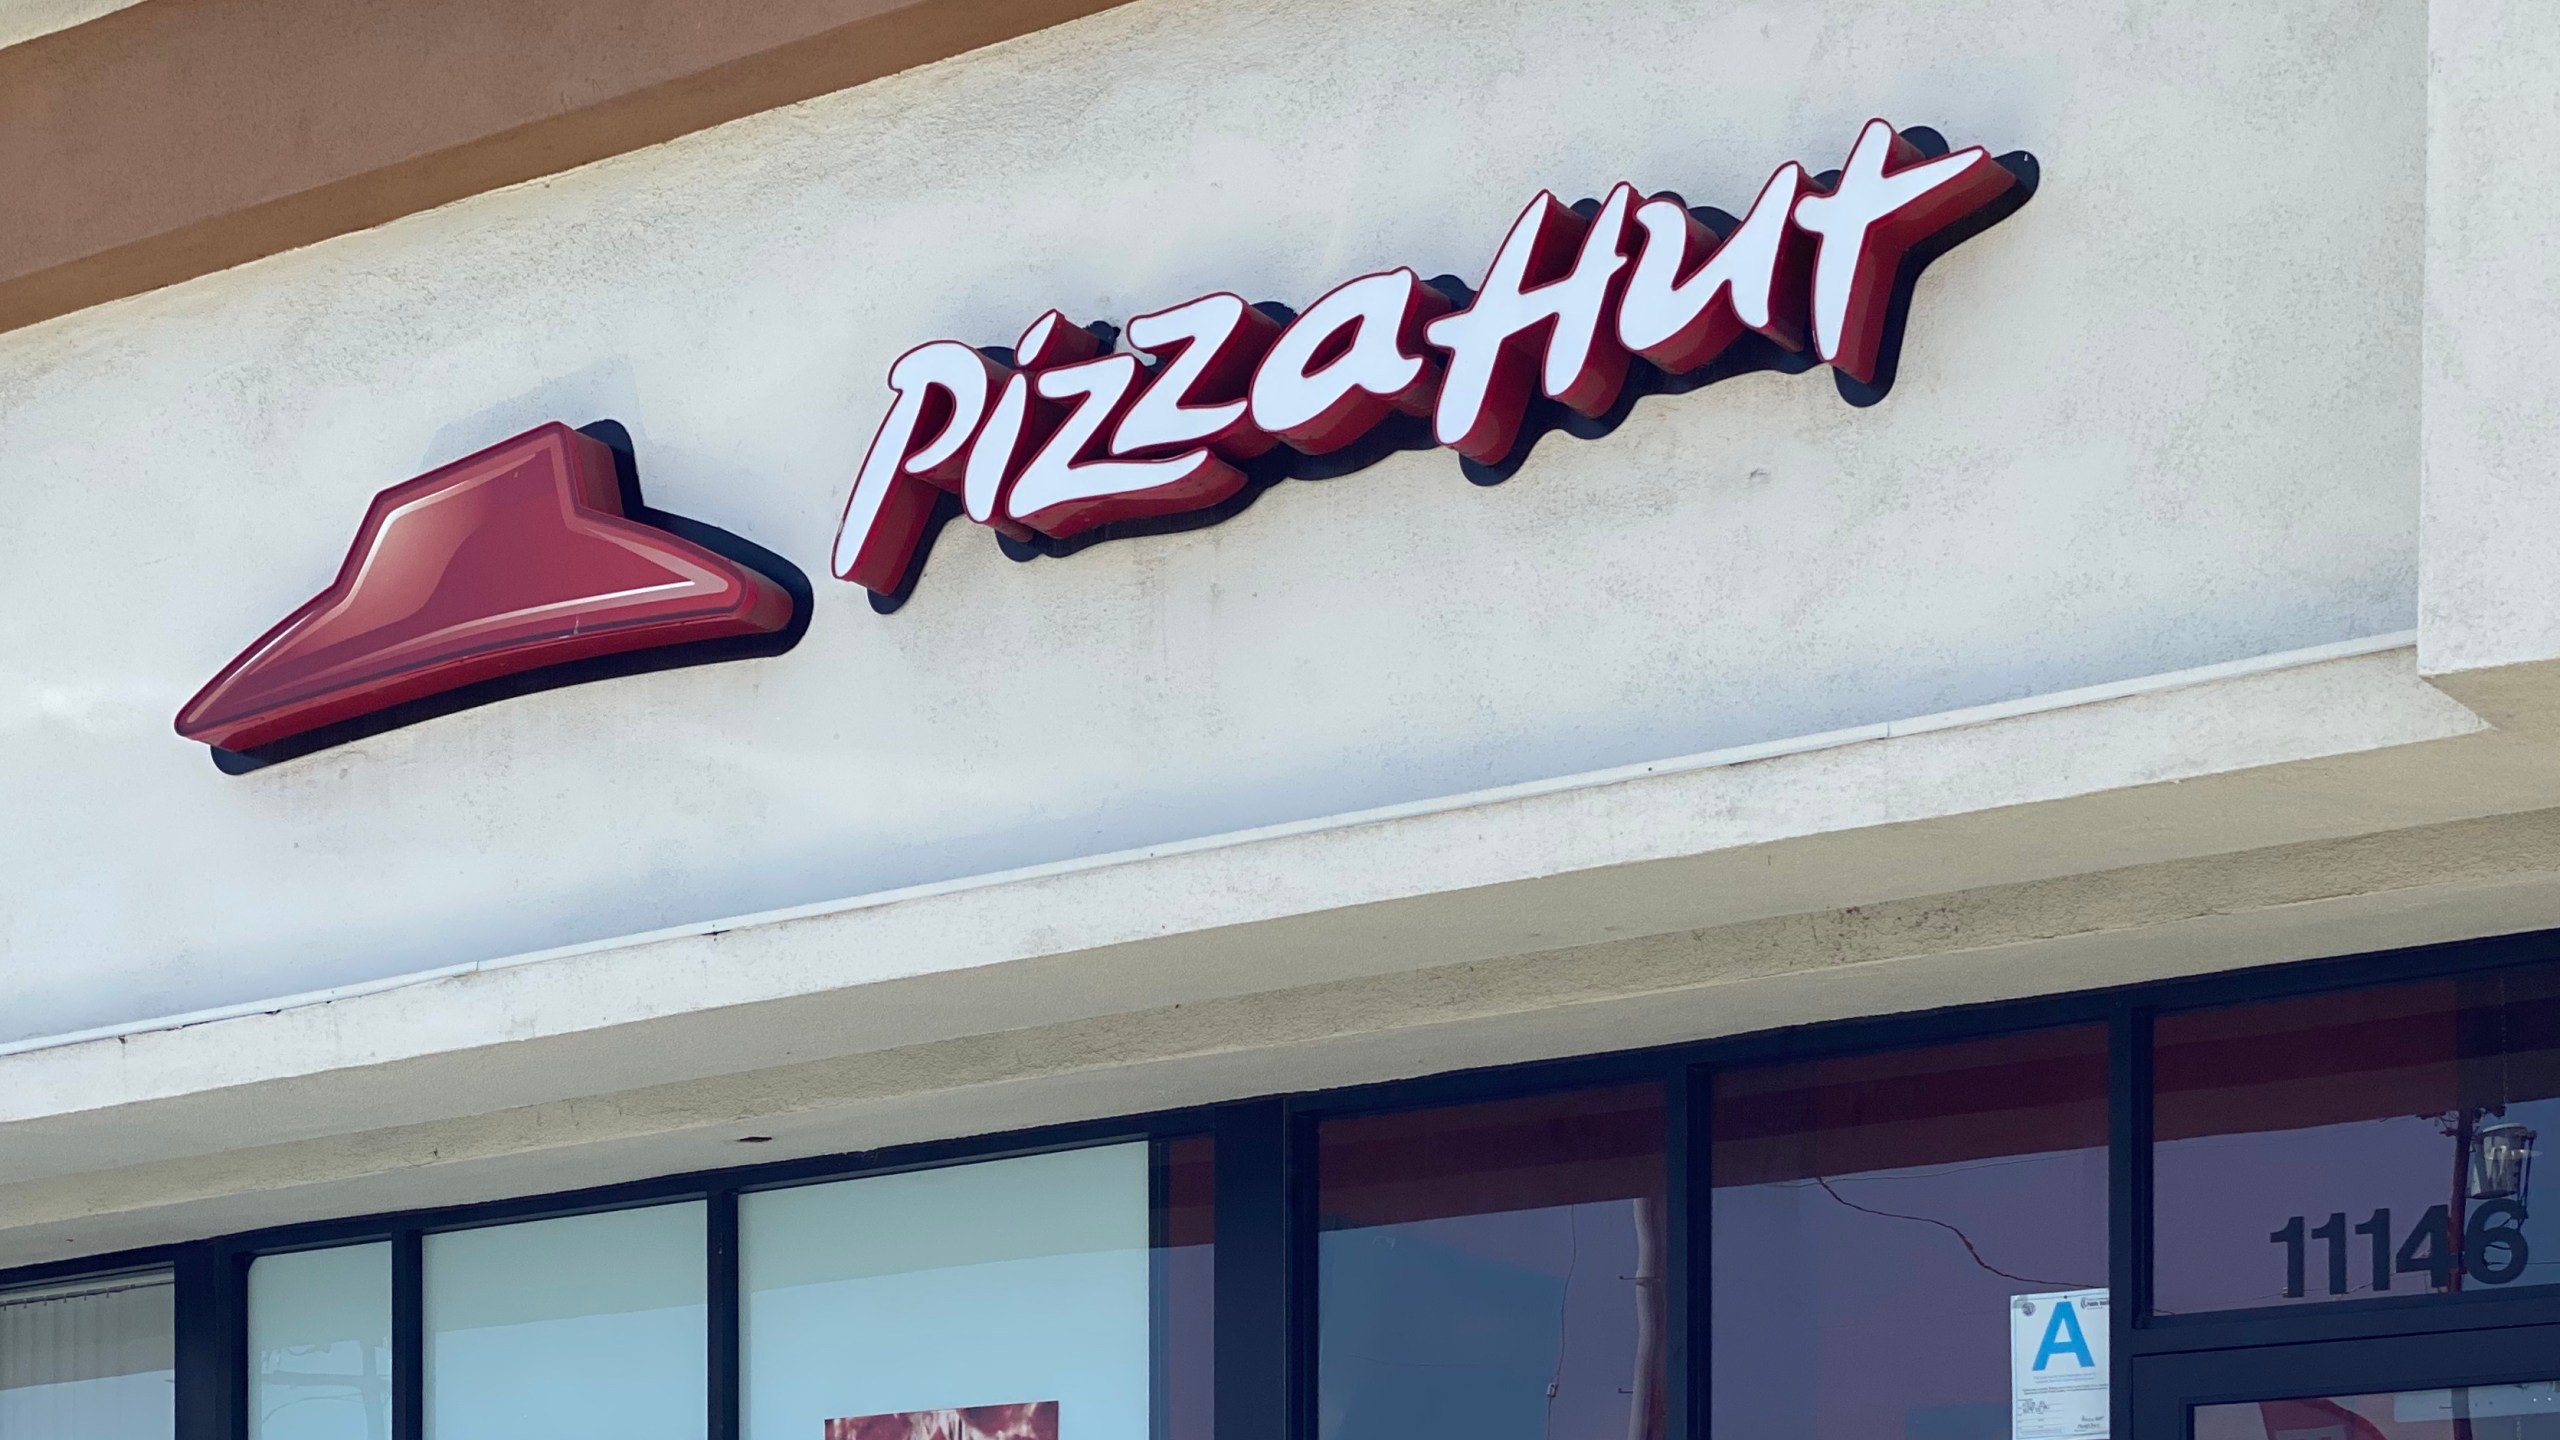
column 1061, row 1295
column 1494, row 1271
column 591, row 1325
column 2472, row 1412
column 89, row 1362
column 320, row 1345
column 2359, row 1143
column 1905, row 1244
column 1186, row 1256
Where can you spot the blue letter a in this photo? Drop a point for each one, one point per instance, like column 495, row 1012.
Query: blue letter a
column 2062, row 1337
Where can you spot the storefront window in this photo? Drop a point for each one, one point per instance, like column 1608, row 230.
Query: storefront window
column 89, row 1362
column 320, row 1345
column 2465, row 1412
column 590, row 1325
column 2356, row 1144
column 1051, row 1297
column 1494, row 1271
column 1186, row 1289
column 1913, row 1244
column 1909, row 1243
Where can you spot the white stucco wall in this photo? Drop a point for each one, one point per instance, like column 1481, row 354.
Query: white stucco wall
column 2492, row 430
column 2164, row 416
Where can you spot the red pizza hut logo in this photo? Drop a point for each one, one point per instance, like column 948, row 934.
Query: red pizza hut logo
column 1064, row 438
column 534, row 563
column 529, row 565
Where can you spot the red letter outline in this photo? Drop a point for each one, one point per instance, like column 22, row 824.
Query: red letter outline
column 1690, row 295
column 1067, row 489
column 1870, row 220
column 1383, row 365
column 1532, row 297
column 885, row 516
column 1198, row 397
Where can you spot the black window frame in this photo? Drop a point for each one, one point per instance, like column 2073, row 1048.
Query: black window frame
column 1265, row 1212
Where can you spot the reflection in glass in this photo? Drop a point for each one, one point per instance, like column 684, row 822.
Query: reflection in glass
column 2361, row 1143
column 95, row 1361
column 1873, row 1218
column 590, row 1325
column 2476, row 1412
column 1494, row 1271
column 1078, row 1280
column 320, row 1345
column 1185, row 1236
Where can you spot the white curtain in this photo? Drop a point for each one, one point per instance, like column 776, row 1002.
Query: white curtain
column 89, row 1362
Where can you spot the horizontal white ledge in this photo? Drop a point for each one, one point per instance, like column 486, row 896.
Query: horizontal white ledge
column 1586, row 780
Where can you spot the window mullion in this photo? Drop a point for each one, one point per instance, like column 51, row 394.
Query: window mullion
column 408, row 1337
column 2128, row 1200
column 1690, row 1245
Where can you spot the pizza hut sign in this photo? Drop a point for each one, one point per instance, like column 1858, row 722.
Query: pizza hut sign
column 1063, row 435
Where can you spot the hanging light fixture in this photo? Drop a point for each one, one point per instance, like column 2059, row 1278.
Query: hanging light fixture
column 2501, row 1161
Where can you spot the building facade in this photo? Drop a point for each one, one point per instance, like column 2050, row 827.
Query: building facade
column 1280, row 720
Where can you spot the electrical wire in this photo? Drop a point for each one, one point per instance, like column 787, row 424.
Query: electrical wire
column 1961, row 1237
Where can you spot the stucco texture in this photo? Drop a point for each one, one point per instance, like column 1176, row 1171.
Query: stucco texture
column 2164, row 416
column 2491, row 596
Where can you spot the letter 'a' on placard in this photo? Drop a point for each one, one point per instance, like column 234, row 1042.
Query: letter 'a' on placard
column 1348, row 360
column 2058, row 1366
column 1890, row 198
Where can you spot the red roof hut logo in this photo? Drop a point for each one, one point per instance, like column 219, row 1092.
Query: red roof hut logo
column 529, row 565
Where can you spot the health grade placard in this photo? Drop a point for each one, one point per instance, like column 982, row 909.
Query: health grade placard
column 2058, row 1366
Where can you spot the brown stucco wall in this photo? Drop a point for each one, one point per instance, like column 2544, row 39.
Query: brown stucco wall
column 177, row 137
